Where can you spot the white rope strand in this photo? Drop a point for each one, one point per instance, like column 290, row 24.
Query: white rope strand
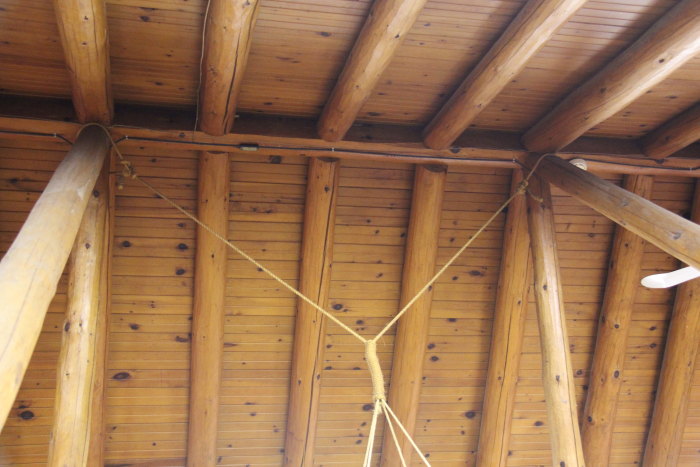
column 393, row 435
column 406, row 434
column 370, row 437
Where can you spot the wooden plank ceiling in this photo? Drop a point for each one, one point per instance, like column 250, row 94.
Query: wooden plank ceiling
column 361, row 234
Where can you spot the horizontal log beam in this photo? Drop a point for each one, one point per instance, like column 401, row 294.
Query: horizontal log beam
column 670, row 232
column 674, row 135
column 228, row 36
column 143, row 127
column 384, row 30
column 31, row 268
column 675, row 382
column 613, row 329
column 80, row 368
column 537, row 21
column 662, row 49
column 82, row 26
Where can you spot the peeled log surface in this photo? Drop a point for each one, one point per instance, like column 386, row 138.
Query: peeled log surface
column 557, row 372
column 82, row 25
column 679, row 132
column 32, row 267
column 84, row 332
column 228, row 33
column 613, row 329
column 386, row 27
column 309, row 330
column 673, row 393
column 208, row 313
column 665, row 47
column 507, row 336
column 670, row 232
column 413, row 328
column 526, row 34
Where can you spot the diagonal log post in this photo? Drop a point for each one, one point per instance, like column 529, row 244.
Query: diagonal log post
column 32, row 267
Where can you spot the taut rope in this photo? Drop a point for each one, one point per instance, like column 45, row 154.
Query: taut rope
column 378, row 393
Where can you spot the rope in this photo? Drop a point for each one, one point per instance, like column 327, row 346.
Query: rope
column 378, row 391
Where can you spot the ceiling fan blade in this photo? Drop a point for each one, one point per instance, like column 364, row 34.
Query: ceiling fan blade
column 669, row 279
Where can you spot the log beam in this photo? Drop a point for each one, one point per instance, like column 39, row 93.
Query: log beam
column 668, row 231
column 673, row 394
column 527, row 33
column 557, row 372
column 309, row 330
column 412, row 331
column 507, row 336
column 228, row 36
column 208, row 313
column 82, row 26
column 386, row 143
column 384, row 30
column 662, row 49
column 31, row 268
column 613, row 329
column 80, row 369
column 679, row 132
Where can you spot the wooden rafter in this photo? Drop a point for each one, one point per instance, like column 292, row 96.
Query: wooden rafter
column 81, row 361
column 673, row 394
column 309, row 331
column 674, row 135
column 507, row 336
column 208, row 313
column 385, row 28
column 82, row 25
column 31, row 268
column 670, row 232
column 228, row 36
column 557, row 372
column 527, row 33
column 662, row 49
column 412, row 332
column 393, row 143
column 613, row 329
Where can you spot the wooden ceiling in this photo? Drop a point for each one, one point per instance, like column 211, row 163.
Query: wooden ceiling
column 373, row 89
column 298, row 50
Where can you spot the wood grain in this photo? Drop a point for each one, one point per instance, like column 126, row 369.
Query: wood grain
column 557, row 371
column 208, row 311
column 607, row 369
column 310, row 325
column 31, row 268
column 412, row 331
column 664, row 48
column 674, row 135
column 82, row 26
